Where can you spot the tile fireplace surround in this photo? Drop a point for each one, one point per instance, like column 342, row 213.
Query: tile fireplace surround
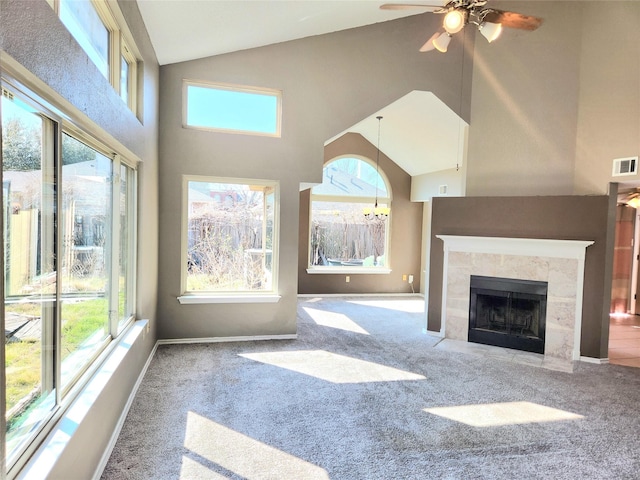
column 560, row 263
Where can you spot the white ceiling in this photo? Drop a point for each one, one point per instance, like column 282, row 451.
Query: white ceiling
column 418, row 132
column 187, row 29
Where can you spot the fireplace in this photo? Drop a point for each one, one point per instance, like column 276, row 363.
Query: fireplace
column 558, row 263
column 508, row 312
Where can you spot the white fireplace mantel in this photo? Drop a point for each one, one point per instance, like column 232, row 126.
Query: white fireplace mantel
column 560, row 263
column 532, row 247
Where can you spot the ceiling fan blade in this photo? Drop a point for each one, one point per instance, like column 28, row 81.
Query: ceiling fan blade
column 405, row 6
column 511, row 19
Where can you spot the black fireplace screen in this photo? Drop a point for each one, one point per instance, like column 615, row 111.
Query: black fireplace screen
column 508, row 312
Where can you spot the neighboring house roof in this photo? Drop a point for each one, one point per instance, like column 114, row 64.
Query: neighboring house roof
column 340, row 183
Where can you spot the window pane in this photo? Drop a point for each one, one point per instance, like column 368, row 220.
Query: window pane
column 84, row 23
column 341, row 236
column 85, row 266
column 351, row 177
column 30, row 278
column 230, row 237
column 125, row 277
column 225, row 109
column 124, row 79
column 340, row 233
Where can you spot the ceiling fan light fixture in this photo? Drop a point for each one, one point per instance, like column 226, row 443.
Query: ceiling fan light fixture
column 442, row 42
column 490, row 31
column 454, row 20
column 634, row 202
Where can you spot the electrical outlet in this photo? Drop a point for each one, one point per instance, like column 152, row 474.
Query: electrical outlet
column 404, row 278
column 410, row 278
column 347, row 279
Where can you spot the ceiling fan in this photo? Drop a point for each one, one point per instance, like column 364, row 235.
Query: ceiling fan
column 459, row 13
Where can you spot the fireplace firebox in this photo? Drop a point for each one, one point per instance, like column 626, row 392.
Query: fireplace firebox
column 507, row 312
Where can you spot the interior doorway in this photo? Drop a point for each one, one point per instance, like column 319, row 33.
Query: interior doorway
column 624, row 324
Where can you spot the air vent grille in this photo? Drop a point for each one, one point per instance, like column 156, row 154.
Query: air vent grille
column 625, row 166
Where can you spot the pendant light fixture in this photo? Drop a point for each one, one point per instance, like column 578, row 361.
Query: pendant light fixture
column 377, row 213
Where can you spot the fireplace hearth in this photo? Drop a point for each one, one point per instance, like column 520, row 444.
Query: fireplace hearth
column 508, row 312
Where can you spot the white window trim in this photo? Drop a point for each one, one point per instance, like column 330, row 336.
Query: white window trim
column 186, row 83
column 321, row 269
column 194, row 297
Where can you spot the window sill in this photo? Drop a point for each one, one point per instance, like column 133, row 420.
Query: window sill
column 348, row 270
column 195, row 299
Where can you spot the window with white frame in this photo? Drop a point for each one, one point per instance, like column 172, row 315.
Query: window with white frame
column 232, row 108
column 229, row 236
column 69, row 243
column 99, row 29
column 342, row 236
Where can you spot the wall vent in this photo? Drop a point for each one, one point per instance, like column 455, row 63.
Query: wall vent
column 442, row 190
column 625, row 166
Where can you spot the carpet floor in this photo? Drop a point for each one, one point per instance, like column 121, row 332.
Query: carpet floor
column 363, row 394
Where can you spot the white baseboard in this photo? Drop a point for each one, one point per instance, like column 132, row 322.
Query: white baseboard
column 248, row 338
column 123, row 416
column 597, row 361
column 327, row 295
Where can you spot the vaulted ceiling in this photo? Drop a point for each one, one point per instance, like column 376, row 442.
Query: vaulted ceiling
column 420, row 133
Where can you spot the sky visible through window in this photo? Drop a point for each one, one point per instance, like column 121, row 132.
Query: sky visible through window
column 354, row 167
column 82, row 20
column 217, row 108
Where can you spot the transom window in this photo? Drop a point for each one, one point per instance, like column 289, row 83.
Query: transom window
column 229, row 236
column 96, row 26
column 342, row 236
column 232, row 108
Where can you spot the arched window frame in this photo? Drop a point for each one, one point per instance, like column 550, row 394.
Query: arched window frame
column 366, row 201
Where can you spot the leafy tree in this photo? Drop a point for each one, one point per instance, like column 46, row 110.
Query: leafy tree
column 74, row 151
column 22, row 151
column 20, row 146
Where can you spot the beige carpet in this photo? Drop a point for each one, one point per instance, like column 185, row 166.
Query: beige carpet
column 363, row 394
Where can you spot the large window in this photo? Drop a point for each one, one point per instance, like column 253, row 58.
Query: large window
column 342, row 237
column 230, row 236
column 232, row 108
column 96, row 26
column 68, row 237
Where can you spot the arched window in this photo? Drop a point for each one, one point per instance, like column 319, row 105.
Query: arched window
column 342, row 236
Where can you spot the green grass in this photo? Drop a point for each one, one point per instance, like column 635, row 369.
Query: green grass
column 22, row 360
column 80, row 321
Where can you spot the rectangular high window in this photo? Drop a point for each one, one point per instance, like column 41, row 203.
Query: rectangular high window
column 99, row 29
column 229, row 236
column 86, row 26
column 69, row 254
column 232, row 109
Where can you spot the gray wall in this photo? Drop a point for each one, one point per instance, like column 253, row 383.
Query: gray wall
column 329, row 83
column 552, row 108
column 560, row 217
column 31, row 33
column 609, row 108
column 405, row 223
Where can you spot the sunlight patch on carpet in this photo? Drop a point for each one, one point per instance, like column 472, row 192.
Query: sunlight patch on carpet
column 334, row 320
column 220, row 450
column 499, row 414
column 332, row 367
column 400, row 305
